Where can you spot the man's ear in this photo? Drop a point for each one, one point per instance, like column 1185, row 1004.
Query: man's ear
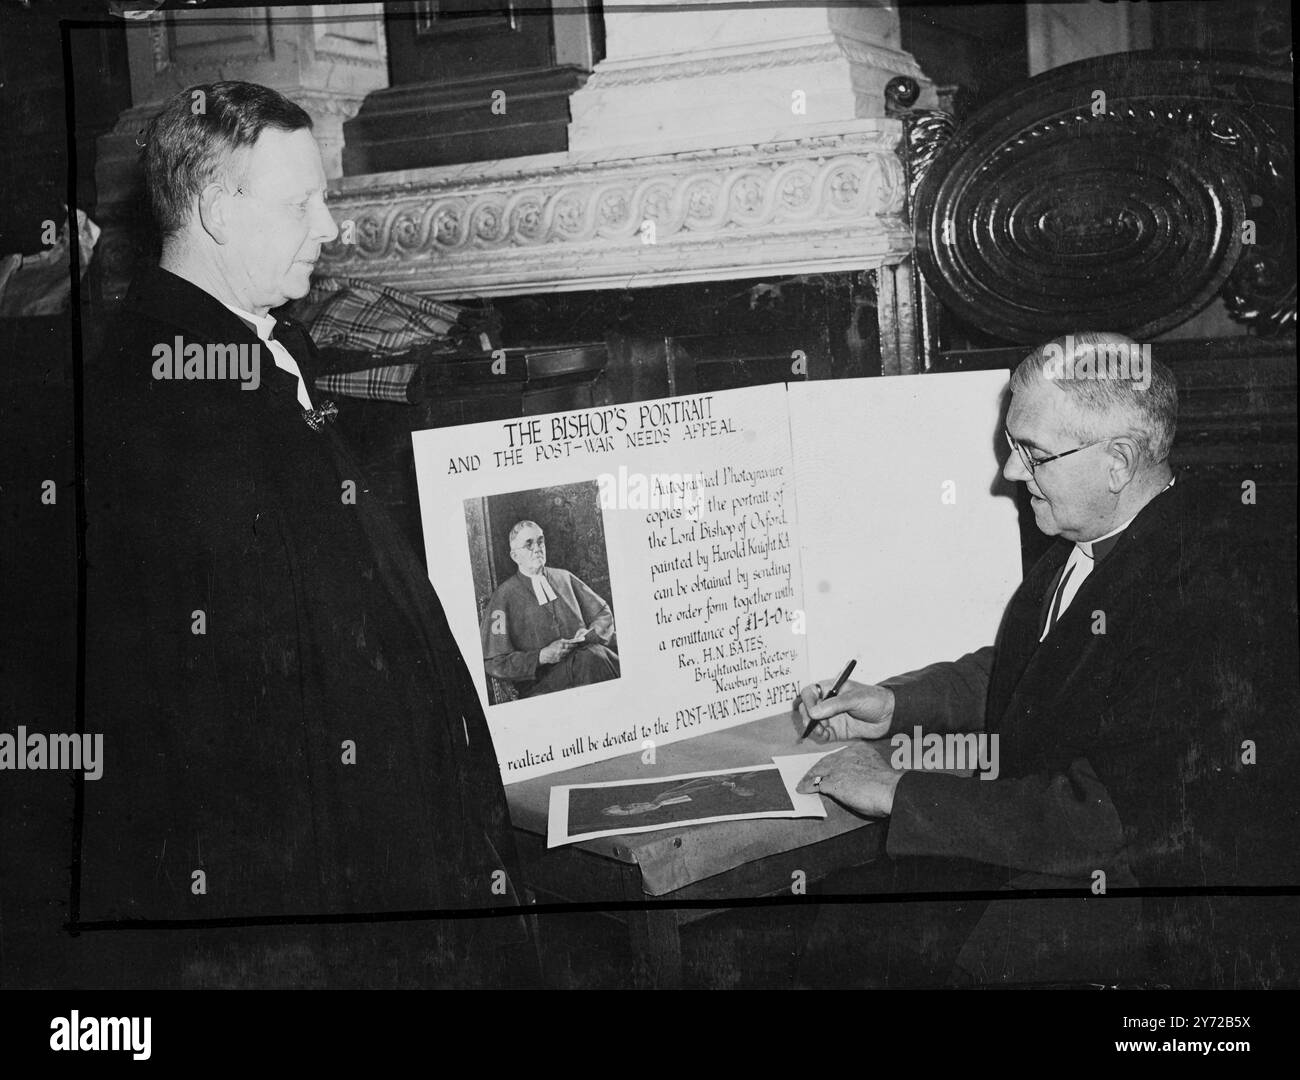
column 214, row 212
column 1124, row 460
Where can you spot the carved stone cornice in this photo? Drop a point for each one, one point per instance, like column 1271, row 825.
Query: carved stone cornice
column 612, row 73
column 814, row 201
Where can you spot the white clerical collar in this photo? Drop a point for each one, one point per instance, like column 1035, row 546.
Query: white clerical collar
column 1085, row 546
column 541, row 587
column 264, row 326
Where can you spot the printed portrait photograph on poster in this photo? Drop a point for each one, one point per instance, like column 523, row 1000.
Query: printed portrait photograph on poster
column 544, row 628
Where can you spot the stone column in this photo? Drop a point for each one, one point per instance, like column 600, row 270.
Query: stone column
column 692, row 78
column 325, row 57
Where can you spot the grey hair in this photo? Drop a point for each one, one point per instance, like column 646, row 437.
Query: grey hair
column 519, row 526
column 1145, row 409
column 195, row 137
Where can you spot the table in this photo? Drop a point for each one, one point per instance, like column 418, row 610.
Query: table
column 718, row 861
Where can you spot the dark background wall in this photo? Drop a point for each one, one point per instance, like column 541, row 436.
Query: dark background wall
column 33, row 132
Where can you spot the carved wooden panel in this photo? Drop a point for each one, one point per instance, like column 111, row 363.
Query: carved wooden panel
column 445, row 41
column 1121, row 192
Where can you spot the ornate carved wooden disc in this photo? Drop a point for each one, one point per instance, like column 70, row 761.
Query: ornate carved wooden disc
column 1114, row 193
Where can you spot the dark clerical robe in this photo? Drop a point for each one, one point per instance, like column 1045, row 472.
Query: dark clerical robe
column 289, row 728
column 516, row 628
column 1147, row 742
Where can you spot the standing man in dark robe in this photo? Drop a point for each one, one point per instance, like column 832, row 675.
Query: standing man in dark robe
column 289, row 728
column 545, row 629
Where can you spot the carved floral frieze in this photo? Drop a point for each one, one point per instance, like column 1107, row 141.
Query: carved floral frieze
column 831, row 201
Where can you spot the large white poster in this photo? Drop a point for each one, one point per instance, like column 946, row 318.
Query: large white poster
column 657, row 570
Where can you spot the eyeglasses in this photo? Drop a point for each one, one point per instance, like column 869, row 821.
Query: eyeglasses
column 532, row 545
column 1032, row 464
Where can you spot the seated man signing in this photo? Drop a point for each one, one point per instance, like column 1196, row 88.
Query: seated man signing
column 544, row 629
column 1127, row 730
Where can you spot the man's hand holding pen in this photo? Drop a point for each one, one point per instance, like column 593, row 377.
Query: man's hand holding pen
column 858, row 711
column 859, row 777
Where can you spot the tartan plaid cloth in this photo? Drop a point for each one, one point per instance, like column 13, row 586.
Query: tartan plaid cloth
column 390, row 383
column 360, row 316
column 358, row 324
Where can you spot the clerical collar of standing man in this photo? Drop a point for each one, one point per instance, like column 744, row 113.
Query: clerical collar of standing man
column 541, row 587
column 264, row 326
